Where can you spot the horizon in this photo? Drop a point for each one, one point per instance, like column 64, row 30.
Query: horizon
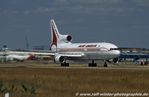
column 124, row 23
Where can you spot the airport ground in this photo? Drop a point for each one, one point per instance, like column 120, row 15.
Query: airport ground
column 37, row 79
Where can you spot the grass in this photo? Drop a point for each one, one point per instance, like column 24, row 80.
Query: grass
column 64, row 82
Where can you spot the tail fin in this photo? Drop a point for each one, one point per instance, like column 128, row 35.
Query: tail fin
column 54, row 34
column 56, row 37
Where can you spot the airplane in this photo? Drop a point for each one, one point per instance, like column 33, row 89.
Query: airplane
column 18, row 58
column 22, row 55
column 7, row 55
column 64, row 50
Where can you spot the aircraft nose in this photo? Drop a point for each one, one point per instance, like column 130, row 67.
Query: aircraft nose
column 117, row 52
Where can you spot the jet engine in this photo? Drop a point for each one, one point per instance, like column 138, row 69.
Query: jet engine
column 115, row 60
column 66, row 38
column 59, row 59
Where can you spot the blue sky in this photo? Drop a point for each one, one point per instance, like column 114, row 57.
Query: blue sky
column 122, row 22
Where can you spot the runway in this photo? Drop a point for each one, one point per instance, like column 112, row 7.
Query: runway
column 73, row 66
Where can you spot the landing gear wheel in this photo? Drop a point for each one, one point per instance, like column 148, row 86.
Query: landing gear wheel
column 92, row 64
column 89, row 64
column 105, row 64
column 95, row 64
column 65, row 64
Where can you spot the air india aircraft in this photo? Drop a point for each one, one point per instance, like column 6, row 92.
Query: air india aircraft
column 64, row 51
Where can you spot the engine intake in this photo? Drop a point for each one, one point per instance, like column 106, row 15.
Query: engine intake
column 59, row 59
column 115, row 60
column 69, row 38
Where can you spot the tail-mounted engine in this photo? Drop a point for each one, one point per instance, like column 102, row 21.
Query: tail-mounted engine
column 66, row 38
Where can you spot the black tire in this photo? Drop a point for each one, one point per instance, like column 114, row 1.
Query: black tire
column 141, row 64
column 95, row 64
column 105, row 64
column 64, row 64
column 92, row 65
column 89, row 64
column 67, row 64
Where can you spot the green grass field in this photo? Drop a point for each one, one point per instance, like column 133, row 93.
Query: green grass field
column 66, row 82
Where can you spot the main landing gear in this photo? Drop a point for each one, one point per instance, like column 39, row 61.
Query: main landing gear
column 64, row 64
column 105, row 64
column 93, row 64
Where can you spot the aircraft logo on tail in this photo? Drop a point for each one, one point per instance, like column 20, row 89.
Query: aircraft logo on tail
column 54, row 35
column 57, row 38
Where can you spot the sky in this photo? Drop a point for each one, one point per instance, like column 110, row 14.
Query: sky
column 122, row 22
